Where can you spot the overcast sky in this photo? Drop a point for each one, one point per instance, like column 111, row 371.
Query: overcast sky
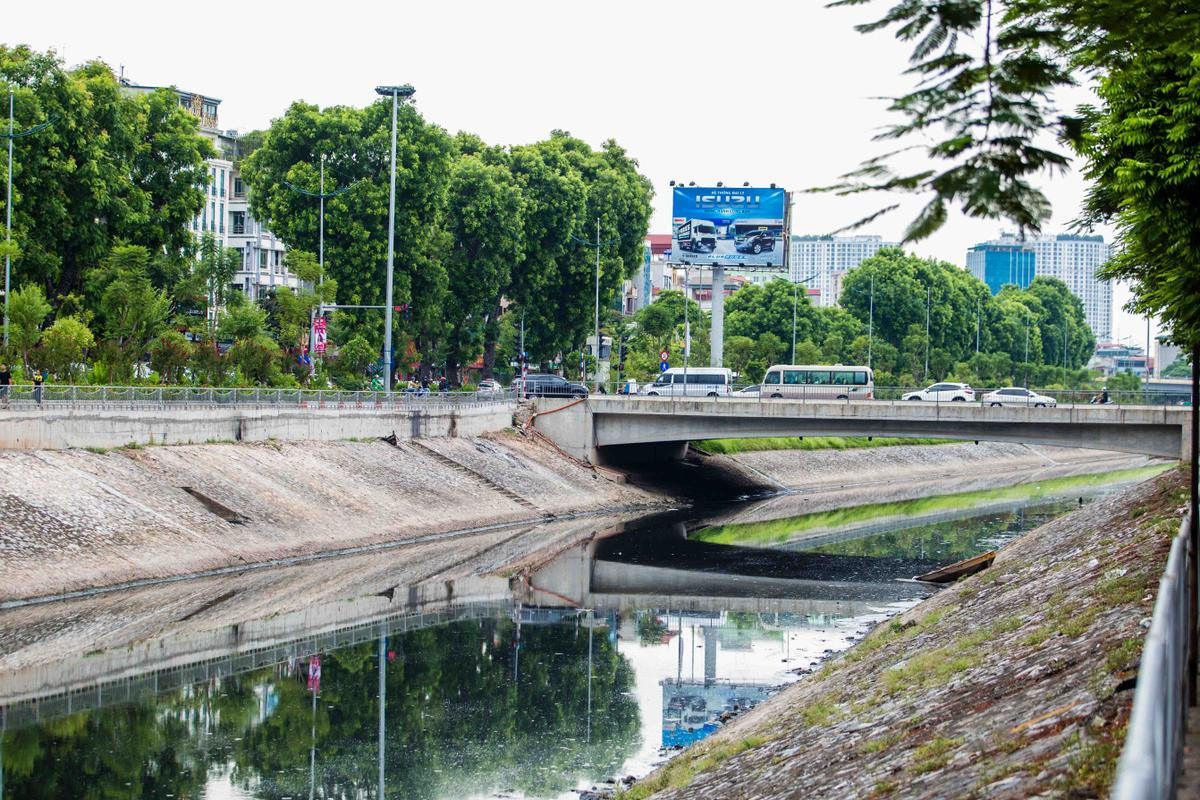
column 782, row 92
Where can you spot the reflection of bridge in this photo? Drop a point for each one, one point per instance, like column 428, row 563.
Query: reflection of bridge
column 658, row 428
column 662, row 568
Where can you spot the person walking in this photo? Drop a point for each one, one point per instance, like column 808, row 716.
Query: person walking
column 5, row 384
column 38, row 380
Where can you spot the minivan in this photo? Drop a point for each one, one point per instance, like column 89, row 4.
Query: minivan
column 819, row 382
column 698, row 382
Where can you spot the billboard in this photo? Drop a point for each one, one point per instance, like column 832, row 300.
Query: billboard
column 737, row 227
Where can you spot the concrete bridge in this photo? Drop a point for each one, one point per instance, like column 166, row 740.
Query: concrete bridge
column 630, row 429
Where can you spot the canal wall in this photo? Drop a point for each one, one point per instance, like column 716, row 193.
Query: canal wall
column 57, row 428
column 72, row 519
column 1014, row 683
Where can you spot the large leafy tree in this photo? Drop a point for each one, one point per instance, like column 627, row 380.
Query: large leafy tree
column 356, row 143
column 485, row 222
column 110, row 167
column 983, row 113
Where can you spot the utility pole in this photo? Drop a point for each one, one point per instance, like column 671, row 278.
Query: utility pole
column 687, row 330
column 8, row 220
column 794, row 290
column 871, row 322
column 596, row 353
column 1027, row 350
column 927, row 299
column 977, row 312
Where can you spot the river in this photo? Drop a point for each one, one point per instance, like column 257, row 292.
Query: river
column 596, row 668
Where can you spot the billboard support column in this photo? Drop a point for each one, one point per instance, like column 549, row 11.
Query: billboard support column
column 717, row 330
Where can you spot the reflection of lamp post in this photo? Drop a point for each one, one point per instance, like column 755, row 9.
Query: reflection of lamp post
column 312, row 750
column 395, row 92
column 382, row 702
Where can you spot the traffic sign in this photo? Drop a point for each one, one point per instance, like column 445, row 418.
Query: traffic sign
column 664, row 355
column 663, row 366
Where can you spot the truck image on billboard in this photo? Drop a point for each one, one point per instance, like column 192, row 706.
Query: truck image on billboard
column 739, row 227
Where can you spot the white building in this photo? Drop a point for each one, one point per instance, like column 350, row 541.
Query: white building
column 827, row 259
column 226, row 212
column 1074, row 260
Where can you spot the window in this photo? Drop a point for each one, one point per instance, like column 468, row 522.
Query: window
column 222, row 218
column 204, row 218
column 772, row 378
column 212, row 181
column 222, row 182
column 239, row 188
column 238, row 221
column 793, row 377
column 706, row 379
column 860, row 379
column 818, row 378
column 844, row 378
column 212, row 215
column 262, row 259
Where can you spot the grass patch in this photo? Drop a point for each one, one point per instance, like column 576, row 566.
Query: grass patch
column 1123, row 655
column 97, row 450
column 1036, row 638
column 880, row 743
column 783, row 530
column 1091, row 768
column 729, row 447
column 819, row 713
column 1120, row 591
column 884, row 788
column 933, row 755
column 680, row 771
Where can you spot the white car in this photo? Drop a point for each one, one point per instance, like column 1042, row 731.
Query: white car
column 944, row 393
column 490, row 386
column 1018, row 396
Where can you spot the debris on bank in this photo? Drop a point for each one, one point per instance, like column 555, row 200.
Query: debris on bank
column 1012, row 683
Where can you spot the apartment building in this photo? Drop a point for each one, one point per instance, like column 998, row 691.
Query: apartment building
column 821, row 262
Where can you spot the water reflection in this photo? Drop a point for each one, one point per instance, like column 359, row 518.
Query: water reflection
column 580, row 672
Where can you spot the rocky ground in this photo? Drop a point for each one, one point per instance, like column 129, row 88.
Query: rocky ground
column 74, row 519
column 1014, row 683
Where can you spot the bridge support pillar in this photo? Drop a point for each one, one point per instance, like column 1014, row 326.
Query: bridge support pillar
column 717, row 328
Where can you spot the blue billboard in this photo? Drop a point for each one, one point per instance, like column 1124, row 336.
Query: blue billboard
column 739, row 227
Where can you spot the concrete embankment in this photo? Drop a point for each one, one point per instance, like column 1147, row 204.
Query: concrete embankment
column 107, row 426
column 820, row 480
column 1013, row 683
column 73, row 519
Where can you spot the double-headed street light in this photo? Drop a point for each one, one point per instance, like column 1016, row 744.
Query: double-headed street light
column 395, row 92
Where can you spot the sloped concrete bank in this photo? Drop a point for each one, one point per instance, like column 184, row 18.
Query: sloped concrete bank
column 72, row 519
column 1014, row 683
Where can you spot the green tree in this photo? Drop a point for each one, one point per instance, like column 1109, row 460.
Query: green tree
column 242, row 322
column 27, row 310
column 170, row 353
column 64, row 346
column 113, row 166
column 256, row 358
column 485, row 223
column 1124, row 382
column 357, row 144
column 739, row 352
column 132, row 310
column 353, row 358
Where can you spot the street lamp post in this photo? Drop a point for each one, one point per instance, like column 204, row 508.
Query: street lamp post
column 395, row 92
column 8, row 218
column 928, row 295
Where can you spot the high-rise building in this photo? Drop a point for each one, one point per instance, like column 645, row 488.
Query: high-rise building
column 827, row 259
column 1071, row 258
column 998, row 263
column 226, row 211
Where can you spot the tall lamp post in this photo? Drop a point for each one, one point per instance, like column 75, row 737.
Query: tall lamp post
column 8, row 204
column 395, row 92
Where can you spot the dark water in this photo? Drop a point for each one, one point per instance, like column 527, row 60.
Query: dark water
column 522, row 697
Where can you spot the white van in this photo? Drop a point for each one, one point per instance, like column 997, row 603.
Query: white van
column 819, row 382
column 699, row 382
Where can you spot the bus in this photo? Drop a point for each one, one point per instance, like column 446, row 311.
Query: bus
column 691, row 382
column 819, row 382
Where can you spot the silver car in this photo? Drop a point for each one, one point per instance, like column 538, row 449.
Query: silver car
column 1018, row 396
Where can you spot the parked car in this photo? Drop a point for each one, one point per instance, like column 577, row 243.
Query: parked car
column 1018, row 396
column 753, row 390
column 546, row 385
column 489, row 385
column 944, row 393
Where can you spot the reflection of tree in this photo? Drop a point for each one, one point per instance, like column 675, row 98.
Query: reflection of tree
column 650, row 628
column 457, row 723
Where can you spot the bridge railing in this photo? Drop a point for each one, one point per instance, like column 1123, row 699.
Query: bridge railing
column 128, row 397
column 900, row 394
column 1150, row 758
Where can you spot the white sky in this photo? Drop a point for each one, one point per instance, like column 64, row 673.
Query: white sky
column 764, row 91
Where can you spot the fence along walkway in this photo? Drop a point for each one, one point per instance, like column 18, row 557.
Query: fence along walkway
column 99, row 397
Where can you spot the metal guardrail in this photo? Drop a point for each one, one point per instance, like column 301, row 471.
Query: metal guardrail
column 1149, row 765
column 99, row 397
